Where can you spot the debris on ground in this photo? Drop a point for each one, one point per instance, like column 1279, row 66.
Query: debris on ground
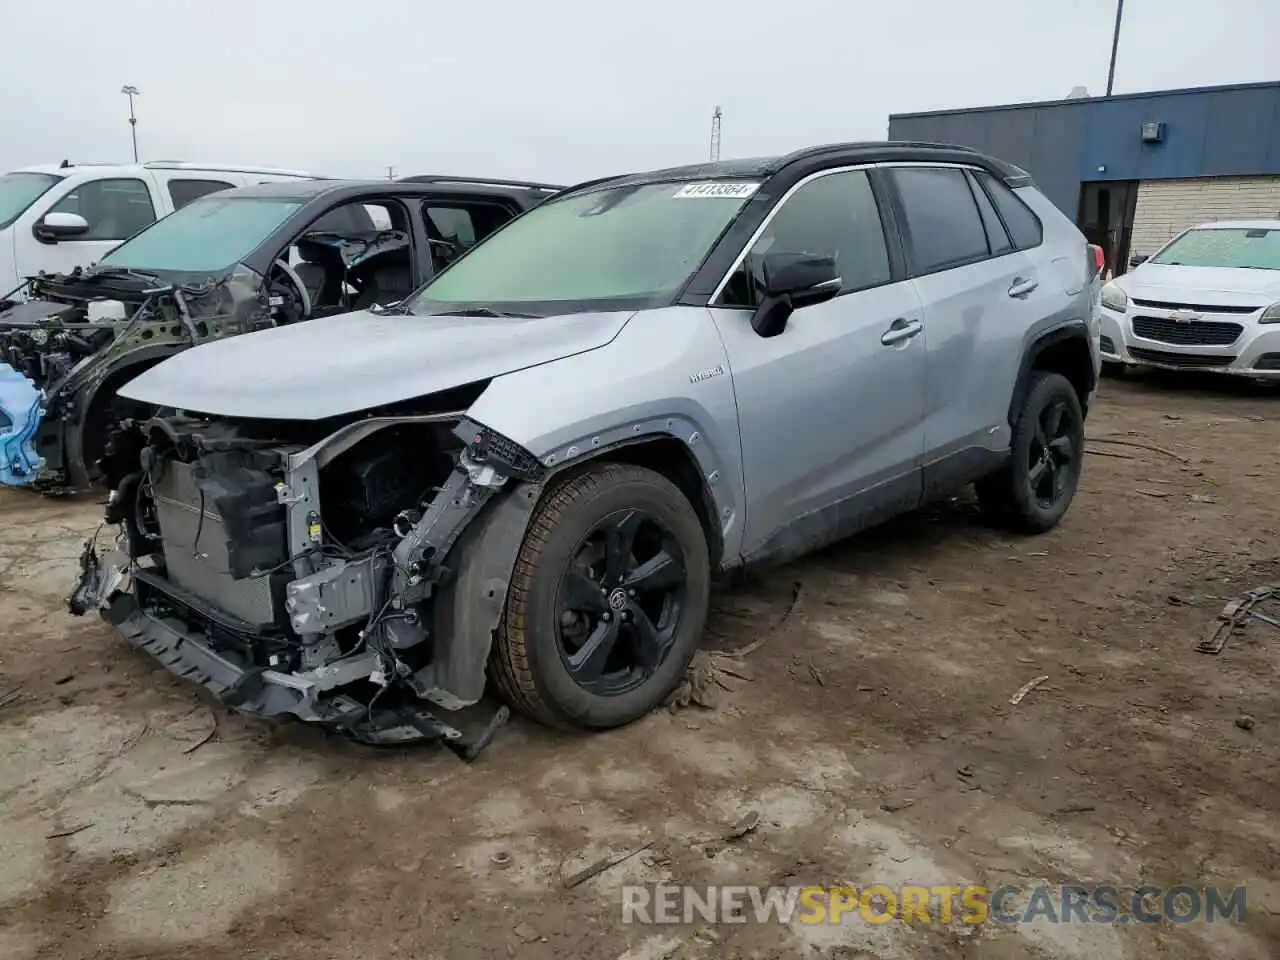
column 1027, row 688
column 1236, row 615
column 713, row 672
column 1126, row 442
column 744, row 826
column 603, row 864
column 525, row 933
column 1245, row 722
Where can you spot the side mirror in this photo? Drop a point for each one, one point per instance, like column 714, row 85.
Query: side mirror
column 53, row 227
column 1137, row 261
column 793, row 281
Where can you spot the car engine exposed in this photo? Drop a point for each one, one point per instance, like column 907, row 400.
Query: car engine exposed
column 307, row 551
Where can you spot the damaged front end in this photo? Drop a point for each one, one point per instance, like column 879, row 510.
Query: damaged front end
column 312, row 570
column 80, row 336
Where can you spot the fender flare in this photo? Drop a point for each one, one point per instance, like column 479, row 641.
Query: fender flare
column 1073, row 330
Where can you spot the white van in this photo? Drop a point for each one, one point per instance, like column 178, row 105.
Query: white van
column 57, row 217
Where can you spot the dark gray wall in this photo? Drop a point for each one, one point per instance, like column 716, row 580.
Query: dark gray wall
column 1210, row 132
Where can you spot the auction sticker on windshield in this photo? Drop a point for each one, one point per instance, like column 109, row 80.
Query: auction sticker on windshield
column 734, row 191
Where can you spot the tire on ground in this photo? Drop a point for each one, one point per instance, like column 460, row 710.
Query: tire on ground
column 525, row 663
column 1005, row 496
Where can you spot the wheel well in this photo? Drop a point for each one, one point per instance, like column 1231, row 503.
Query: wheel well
column 1069, row 356
column 671, row 458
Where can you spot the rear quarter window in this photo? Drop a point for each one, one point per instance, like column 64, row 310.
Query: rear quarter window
column 1024, row 226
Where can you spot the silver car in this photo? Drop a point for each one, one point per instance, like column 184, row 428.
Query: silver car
column 529, row 472
column 1209, row 299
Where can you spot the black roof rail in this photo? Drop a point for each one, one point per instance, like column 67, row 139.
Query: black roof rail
column 486, row 181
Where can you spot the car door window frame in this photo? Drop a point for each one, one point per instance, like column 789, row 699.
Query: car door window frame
column 981, row 178
column 888, row 225
column 992, row 223
column 98, row 183
column 900, row 208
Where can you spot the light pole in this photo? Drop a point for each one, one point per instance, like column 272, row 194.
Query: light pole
column 1115, row 45
column 131, row 91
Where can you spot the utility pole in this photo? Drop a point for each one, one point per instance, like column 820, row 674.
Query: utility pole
column 1115, row 46
column 715, row 134
column 131, row 91
column 391, row 173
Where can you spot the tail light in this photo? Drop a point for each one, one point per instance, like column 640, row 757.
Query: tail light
column 1097, row 260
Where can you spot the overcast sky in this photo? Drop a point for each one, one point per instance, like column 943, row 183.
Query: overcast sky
column 561, row 90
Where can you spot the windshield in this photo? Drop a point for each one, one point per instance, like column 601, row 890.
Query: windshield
column 624, row 247
column 19, row 190
column 206, row 236
column 1257, row 249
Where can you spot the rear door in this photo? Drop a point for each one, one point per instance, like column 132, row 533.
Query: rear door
column 830, row 409
column 975, row 286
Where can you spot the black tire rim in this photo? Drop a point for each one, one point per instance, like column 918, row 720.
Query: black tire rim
column 1053, row 455
column 620, row 602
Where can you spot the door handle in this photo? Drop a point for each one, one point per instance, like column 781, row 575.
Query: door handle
column 900, row 331
column 1022, row 288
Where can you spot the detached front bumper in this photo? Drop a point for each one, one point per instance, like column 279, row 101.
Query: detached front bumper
column 1254, row 353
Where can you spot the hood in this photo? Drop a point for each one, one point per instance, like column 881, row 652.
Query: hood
column 356, row 361
column 1225, row 286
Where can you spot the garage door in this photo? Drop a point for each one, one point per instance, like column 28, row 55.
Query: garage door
column 1167, row 207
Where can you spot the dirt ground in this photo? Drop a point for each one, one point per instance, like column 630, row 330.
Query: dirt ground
column 875, row 738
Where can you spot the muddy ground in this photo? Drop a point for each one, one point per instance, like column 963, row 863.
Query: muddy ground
column 876, row 739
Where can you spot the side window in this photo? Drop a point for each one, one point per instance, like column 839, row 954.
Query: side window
column 1024, row 226
column 452, row 224
column 944, row 228
column 182, row 192
column 997, row 238
column 114, row 209
column 835, row 215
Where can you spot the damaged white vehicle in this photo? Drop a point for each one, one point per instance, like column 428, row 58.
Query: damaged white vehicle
column 527, row 472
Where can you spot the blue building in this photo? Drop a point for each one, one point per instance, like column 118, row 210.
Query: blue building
column 1133, row 170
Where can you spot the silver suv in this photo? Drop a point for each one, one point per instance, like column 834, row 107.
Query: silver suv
column 530, row 471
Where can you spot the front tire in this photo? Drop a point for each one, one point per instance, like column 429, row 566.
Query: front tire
column 607, row 602
column 1033, row 491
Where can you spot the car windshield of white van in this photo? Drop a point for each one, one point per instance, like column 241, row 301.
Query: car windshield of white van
column 622, row 247
column 19, row 191
column 206, row 236
column 1249, row 249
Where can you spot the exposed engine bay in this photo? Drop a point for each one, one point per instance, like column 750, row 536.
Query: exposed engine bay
column 78, row 337
column 304, row 568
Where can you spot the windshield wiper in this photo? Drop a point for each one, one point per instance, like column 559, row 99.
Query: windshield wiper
column 391, row 310
column 486, row 312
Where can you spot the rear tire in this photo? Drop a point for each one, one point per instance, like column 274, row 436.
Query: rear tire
column 1032, row 492
column 607, row 601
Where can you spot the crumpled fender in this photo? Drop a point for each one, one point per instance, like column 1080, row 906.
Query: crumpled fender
column 21, row 410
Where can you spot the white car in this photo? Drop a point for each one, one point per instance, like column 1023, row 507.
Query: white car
column 1208, row 300
column 56, row 217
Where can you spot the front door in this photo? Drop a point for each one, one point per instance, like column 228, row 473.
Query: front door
column 831, row 409
column 115, row 209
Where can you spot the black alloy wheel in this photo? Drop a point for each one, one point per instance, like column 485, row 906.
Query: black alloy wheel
column 1032, row 492
column 1053, row 454
column 607, row 600
column 620, row 603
